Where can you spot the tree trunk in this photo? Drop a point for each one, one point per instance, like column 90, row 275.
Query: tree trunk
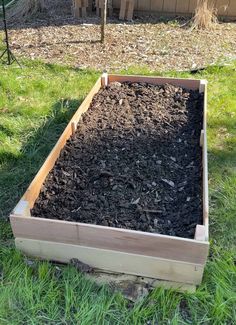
column 103, row 20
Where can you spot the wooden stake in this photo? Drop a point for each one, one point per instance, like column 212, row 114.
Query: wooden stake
column 103, row 20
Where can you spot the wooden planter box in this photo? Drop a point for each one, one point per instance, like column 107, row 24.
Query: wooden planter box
column 115, row 250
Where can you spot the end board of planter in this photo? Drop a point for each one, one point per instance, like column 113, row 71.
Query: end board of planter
column 167, row 258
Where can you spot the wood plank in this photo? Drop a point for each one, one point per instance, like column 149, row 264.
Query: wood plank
column 90, row 4
column 129, row 241
column 116, row 4
column 130, row 10
column 202, row 138
column 77, row 7
column 22, row 209
column 192, row 6
column 123, row 5
column 169, row 6
column 84, row 12
column 200, row 233
column 121, row 280
column 144, row 5
column 33, row 190
column 113, row 261
column 157, row 5
column 104, row 79
column 223, row 7
column 205, row 165
column 232, row 9
column 182, row 6
column 186, row 83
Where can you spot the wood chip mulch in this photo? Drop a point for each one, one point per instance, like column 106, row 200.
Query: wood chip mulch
column 56, row 37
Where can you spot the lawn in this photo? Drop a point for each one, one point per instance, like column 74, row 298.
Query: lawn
column 35, row 105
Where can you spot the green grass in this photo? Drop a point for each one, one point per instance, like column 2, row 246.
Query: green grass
column 35, row 105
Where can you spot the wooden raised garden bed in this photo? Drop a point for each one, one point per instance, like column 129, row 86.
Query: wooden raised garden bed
column 145, row 253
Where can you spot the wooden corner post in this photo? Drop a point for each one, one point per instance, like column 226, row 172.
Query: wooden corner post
column 203, row 140
column 79, row 8
column 126, row 10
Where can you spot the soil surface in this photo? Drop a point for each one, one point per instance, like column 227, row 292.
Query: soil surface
column 134, row 162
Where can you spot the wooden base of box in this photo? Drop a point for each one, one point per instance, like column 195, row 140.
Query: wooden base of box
column 115, row 261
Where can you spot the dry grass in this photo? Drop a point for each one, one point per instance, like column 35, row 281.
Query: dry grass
column 205, row 15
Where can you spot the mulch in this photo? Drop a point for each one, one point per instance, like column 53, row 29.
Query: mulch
column 157, row 43
column 134, row 162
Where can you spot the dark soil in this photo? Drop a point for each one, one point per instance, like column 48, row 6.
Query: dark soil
column 134, row 162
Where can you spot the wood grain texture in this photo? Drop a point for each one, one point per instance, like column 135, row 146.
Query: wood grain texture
column 130, row 10
column 123, row 6
column 170, row 6
column 179, row 6
column 113, row 261
column 157, row 5
column 22, row 209
column 116, row 4
column 232, row 8
column 33, row 190
column 192, row 6
column 144, row 5
column 185, row 83
column 223, row 7
column 200, row 233
column 128, row 241
column 182, row 6
column 205, row 164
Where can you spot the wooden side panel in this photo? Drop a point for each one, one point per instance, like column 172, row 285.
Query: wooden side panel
column 130, row 10
column 169, row 6
column 22, row 209
column 223, row 7
column 200, row 233
column 182, row 6
column 114, row 261
column 144, row 5
column 205, row 163
column 232, row 8
column 157, row 5
column 116, row 3
column 34, row 188
column 128, row 241
column 122, row 10
column 186, row 83
column 192, row 5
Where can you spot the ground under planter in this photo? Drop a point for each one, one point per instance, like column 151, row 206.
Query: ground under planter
column 144, row 253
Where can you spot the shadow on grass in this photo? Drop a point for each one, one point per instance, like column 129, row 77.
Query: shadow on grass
column 18, row 171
